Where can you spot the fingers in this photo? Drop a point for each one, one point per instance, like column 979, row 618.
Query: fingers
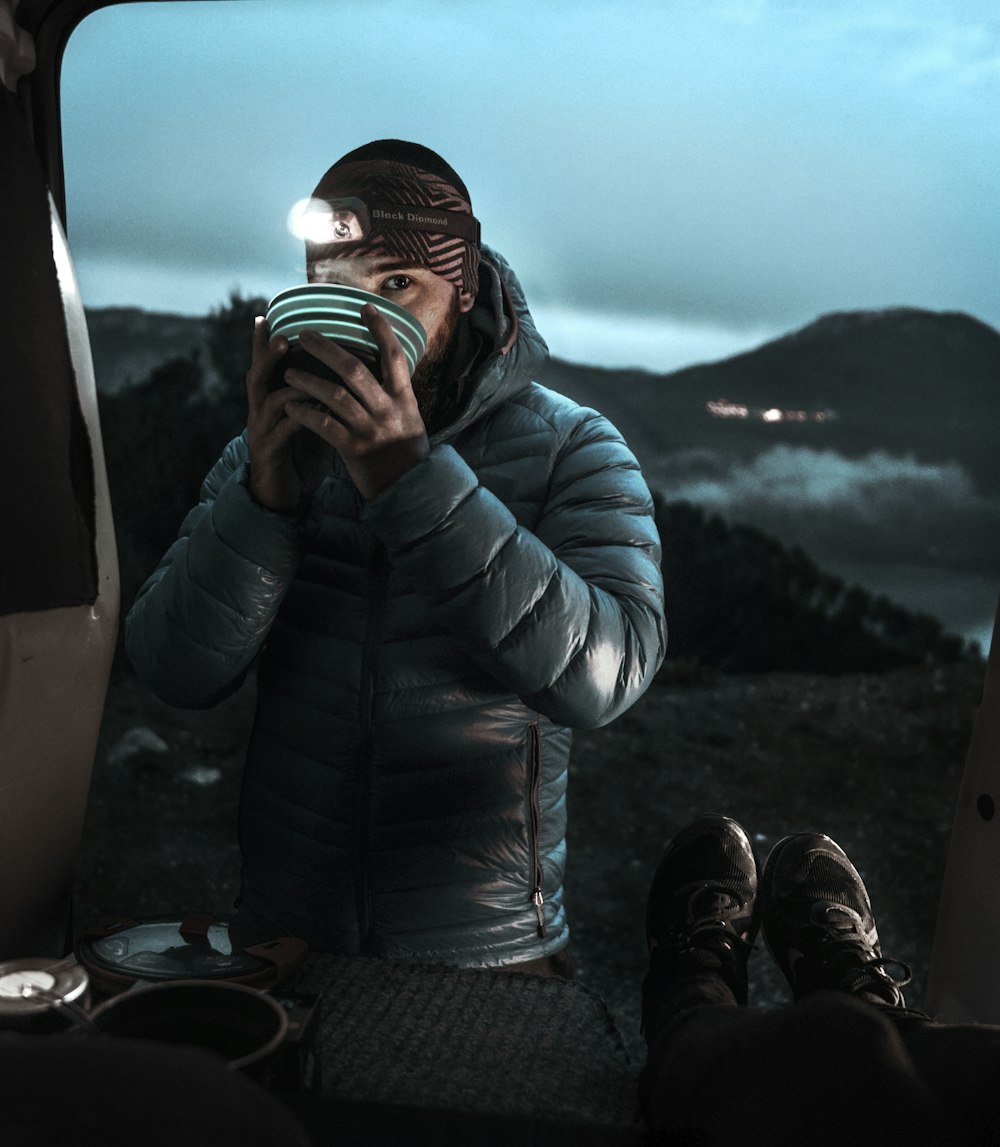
column 339, row 401
column 356, row 381
column 360, row 415
column 282, row 433
column 321, row 422
column 395, row 366
column 266, row 353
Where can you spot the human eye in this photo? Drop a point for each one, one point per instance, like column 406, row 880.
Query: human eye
column 397, row 283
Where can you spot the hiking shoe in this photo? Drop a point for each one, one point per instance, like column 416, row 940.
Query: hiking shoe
column 700, row 915
column 818, row 922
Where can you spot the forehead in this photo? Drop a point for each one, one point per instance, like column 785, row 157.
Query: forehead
column 349, row 269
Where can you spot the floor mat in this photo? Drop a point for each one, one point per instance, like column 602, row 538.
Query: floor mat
column 468, row 1040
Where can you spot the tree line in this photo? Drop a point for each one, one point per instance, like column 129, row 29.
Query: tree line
column 737, row 599
column 740, row 601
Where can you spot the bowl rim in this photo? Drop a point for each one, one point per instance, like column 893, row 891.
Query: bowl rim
column 340, row 308
column 340, row 304
column 334, row 309
column 271, row 1005
column 342, row 290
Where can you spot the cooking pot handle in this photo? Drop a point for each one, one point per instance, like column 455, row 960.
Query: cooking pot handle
column 284, row 954
column 195, row 925
column 98, row 931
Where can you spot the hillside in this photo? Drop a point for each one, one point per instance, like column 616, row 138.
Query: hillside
column 128, row 343
column 867, row 439
column 905, row 381
column 901, row 380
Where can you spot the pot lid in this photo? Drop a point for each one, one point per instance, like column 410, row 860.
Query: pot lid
column 167, row 948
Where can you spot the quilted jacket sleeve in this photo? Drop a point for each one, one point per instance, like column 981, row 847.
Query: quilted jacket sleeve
column 202, row 616
column 570, row 616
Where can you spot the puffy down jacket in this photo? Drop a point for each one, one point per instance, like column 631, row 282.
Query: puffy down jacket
column 423, row 657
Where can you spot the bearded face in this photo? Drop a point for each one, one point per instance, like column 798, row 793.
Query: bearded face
column 430, row 379
column 434, row 302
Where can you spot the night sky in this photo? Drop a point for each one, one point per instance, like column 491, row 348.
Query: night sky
column 671, row 181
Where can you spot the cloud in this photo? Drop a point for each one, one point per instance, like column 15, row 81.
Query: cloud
column 880, row 508
column 659, row 344
column 180, row 289
column 799, row 478
column 743, row 163
column 948, row 62
column 598, row 338
column 960, row 48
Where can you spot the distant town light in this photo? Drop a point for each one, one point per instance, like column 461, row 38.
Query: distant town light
column 720, row 408
column 724, row 408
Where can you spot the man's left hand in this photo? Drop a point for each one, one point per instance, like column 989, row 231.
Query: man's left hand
column 375, row 427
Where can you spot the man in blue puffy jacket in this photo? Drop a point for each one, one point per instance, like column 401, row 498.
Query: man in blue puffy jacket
column 438, row 577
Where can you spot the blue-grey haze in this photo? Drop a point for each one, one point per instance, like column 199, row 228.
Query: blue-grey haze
column 672, row 181
column 736, row 166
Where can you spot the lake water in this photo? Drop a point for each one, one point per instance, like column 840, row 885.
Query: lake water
column 966, row 604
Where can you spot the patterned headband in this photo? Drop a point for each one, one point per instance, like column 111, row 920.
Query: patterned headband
column 387, row 181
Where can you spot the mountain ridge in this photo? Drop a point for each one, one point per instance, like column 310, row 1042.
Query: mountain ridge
column 880, row 480
column 902, row 380
column 905, row 381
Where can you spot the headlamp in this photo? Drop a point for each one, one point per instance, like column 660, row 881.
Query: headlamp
column 326, row 222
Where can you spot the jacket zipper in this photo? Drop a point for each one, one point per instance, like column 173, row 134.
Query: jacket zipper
column 379, row 569
column 534, row 779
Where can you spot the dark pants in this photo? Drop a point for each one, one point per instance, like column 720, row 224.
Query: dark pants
column 831, row 1069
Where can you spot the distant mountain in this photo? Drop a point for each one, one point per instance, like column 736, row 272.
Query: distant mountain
column 727, row 437
column 129, row 343
column 903, row 380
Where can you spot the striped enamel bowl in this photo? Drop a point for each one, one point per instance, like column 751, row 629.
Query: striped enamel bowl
column 335, row 311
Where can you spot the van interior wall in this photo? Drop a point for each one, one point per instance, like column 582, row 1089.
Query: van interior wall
column 58, row 571
column 47, row 506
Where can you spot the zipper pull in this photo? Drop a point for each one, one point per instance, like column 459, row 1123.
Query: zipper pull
column 537, row 901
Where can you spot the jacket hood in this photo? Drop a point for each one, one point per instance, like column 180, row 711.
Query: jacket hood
column 516, row 350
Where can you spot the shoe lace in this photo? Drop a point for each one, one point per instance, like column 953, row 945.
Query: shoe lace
column 837, row 961
column 880, row 967
column 713, row 936
column 710, row 931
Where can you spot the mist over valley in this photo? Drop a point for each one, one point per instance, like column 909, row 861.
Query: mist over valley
column 866, row 438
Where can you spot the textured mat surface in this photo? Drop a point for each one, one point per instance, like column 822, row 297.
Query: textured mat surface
column 474, row 1041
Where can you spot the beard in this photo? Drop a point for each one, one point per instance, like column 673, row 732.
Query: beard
column 431, row 378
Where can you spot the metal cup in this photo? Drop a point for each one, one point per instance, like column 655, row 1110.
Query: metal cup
column 40, row 995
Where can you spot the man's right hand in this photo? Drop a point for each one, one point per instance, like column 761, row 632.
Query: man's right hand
column 287, row 462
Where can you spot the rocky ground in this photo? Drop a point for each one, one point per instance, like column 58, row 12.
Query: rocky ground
column 872, row 760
